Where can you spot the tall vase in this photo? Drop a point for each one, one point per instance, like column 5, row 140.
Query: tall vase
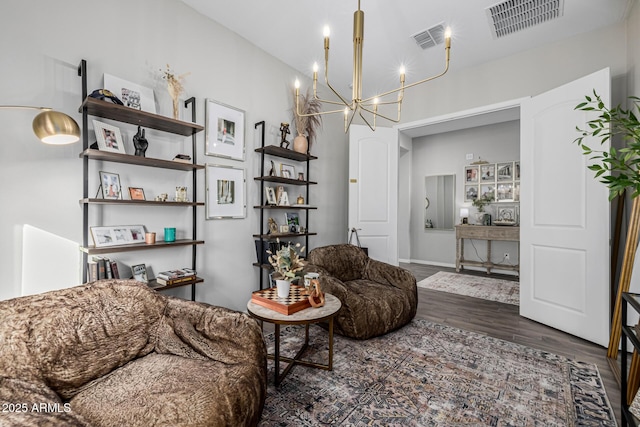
column 300, row 144
column 283, row 287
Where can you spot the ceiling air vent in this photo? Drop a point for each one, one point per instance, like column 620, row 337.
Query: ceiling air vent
column 515, row 15
column 430, row 37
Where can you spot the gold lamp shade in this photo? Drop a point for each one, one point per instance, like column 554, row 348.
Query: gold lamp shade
column 56, row 128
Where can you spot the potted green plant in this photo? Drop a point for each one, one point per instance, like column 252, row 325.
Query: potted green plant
column 286, row 262
column 619, row 169
column 480, row 202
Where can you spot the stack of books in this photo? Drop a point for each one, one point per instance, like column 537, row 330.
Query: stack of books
column 101, row 268
column 173, row 277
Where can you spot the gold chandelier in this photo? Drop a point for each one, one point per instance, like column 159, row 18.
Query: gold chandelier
column 357, row 104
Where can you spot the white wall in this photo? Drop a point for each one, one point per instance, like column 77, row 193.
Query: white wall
column 444, row 154
column 41, row 44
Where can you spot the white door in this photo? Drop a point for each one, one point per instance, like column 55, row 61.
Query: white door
column 564, row 216
column 373, row 190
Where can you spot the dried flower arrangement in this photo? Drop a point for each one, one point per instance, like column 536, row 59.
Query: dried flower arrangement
column 286, row 261
column 307, row 125
column 175, row 87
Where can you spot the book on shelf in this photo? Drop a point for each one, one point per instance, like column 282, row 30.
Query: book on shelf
column 176, row 274
column 165, row 282
column 101, row 268
column 182, row 158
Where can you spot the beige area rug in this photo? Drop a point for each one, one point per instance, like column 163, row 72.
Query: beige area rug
column 505, row 291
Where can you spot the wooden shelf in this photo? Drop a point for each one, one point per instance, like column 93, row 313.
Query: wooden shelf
column 138, row 160
column 280, row 180
column 137, row 202
column 154, row 284
column 285, row 207
column 275, row 150
column 92, row 250
column 108, row 110
column 281, row 235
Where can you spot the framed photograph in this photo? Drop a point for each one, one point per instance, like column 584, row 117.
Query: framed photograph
column 139, row 272
column 471, row 174
column 224, row 130
column 117, row 235
column 271, row 196
column 516, row 168
column 470, row 193
column 136, row 193
column 300, row 176
column 505, row 171
column 225, row 192
column 110, row 185
column 131, row 94
column 504, row 192
column 284, row 229
column 287, row 171
column 488, row 172
column 487, row 190
column 516, row 192
column 108, row 137
column 293, row 221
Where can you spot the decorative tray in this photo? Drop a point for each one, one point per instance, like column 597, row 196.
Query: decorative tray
column 512, row 223
column 297, row 300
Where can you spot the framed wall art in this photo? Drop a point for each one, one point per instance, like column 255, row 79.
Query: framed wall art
column 225, row 192
column 110, row 185
column 224, row 131
column 139, row 272
column 287, row 171
column 108, row 137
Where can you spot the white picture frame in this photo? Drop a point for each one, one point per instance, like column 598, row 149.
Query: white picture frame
column 224, row 130
column 139, row 273
column 225, row 192
column 270, row 194
column 117, row 235
column 108, row 137
column 131, row 94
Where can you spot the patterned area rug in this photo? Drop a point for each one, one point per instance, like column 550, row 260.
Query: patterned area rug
column 506, row 291
column 427, row 374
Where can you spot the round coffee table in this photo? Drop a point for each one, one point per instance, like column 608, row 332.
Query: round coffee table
column 304, row 317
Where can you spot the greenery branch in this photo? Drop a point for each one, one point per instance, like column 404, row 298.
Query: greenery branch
column 619, row 169
column 482, row 201
column 286, row 262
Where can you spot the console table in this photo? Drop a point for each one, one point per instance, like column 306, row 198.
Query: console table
column 489, row 233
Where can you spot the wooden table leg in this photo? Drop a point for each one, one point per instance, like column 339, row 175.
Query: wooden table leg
column 331, row 344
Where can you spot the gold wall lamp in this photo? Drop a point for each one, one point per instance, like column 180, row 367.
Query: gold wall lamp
column 51, row 127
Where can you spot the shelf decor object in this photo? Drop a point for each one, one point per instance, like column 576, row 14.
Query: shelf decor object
column 357, row 104
column 224, row 136
column 225, row 187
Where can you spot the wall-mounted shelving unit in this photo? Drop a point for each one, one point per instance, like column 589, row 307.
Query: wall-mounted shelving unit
column 98, row 108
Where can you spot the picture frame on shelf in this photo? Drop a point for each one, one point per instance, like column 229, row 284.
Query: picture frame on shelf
column 287, row 171
column 108, row 137
column 506, row 215
column 293, row 221
column 504, row 171
column 488, row 172
column 271, row 196
column 110, row 186
column 516, row 171
column 225, row 192
column 131, row 94
column 224, row 130
column 136, row 193
column 117, row 235
column 471, row 174
column 139, row 272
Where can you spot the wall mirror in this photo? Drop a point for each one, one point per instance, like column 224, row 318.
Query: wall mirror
column 439, row 203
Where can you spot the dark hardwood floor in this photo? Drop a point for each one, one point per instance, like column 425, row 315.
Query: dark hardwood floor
column 504, row 322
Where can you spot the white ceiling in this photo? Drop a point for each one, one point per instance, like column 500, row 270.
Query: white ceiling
column 291, row 30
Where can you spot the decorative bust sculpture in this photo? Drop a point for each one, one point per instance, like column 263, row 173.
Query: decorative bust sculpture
column 140, row 142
